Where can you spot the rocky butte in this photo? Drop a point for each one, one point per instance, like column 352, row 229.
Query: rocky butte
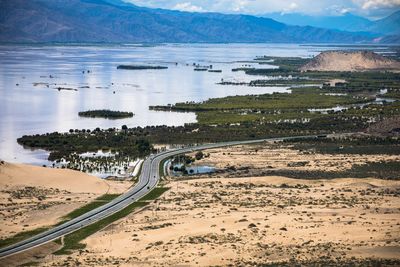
column 351, row 61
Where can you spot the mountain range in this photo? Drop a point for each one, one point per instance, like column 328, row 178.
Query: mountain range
column 115, row 21
column 345, row 22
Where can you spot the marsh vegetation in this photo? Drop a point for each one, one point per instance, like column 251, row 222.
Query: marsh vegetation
column 354, row 92
column 350, row 104
column 141, row 67
column 106, row 113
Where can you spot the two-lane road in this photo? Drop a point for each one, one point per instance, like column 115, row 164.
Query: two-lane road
column 148, row 179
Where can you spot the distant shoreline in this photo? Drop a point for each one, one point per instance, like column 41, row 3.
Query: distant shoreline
column 119, row 44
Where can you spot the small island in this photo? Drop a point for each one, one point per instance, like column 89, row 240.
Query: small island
column 141, row 67
column 105, row 113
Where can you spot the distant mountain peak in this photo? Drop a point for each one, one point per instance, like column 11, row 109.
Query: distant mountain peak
column 344, row 22
column 117, row 21
column 112, row 2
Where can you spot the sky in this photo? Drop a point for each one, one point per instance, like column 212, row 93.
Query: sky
column 373, row 9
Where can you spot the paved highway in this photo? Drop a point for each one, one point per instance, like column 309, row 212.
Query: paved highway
column 148, row 179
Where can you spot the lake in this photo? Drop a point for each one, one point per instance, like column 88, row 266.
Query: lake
column 30, row 76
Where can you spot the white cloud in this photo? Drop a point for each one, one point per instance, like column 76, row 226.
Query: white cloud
column 293, row 6
column 371, row 8
column 240, row 5
column 375, row 4
column 187, row 6
column 344, row 10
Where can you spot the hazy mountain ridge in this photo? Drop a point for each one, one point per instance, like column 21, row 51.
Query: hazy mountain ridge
column 346, row 22
column 388, row 25
column 116, row 21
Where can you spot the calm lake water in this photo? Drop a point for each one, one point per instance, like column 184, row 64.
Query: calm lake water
column 29, row 106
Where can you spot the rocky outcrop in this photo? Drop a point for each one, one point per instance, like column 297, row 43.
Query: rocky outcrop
column 350, row 61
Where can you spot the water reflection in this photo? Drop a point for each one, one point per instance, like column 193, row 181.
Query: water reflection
column 28, row 109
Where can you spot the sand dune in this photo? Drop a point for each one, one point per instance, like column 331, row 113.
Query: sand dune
column 226, row 220
column 33, row 197
column 63, row 179
column 250, row 221
column 350, row 61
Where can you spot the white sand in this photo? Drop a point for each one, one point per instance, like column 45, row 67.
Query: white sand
column 33, row 197
column 239, row 221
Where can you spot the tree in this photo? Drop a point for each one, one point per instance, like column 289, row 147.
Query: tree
column 124, row 127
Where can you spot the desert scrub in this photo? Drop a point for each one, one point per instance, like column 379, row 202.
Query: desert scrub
column 72, row 241
column 380, row 170
column 349, row 145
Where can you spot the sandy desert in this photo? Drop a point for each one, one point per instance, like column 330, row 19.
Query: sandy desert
column 32, row 197
column 235, row 216
column 253, row 220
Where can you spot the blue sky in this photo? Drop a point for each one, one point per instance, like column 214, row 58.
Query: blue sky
column 367, row 8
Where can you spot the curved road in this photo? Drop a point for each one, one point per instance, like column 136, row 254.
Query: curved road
column 148, row 179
